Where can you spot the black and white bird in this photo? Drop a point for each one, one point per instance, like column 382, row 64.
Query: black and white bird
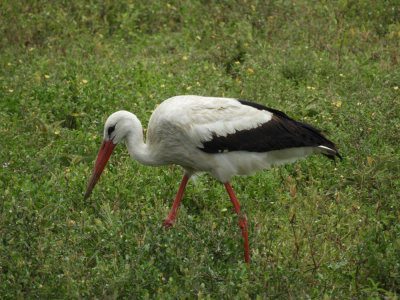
column 221, row 136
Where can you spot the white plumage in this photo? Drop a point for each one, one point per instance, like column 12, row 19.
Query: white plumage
column 220, row 136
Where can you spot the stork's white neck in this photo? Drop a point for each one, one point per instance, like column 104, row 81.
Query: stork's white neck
column 137, row 148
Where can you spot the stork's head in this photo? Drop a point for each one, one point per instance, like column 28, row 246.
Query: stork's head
column 117, row 127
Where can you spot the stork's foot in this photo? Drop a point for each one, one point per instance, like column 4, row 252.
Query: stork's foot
column 168, row 222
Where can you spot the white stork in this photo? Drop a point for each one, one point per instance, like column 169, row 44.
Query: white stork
column 220, row 136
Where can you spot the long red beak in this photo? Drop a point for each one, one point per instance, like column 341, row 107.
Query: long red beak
column 105, row 151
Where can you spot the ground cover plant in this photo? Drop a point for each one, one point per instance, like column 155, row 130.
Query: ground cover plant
column 316, row 229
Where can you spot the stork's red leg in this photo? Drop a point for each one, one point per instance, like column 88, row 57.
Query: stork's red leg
column 242, row 221
column 171, row 218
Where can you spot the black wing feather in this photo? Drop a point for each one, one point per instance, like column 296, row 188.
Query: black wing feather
column 281, row 132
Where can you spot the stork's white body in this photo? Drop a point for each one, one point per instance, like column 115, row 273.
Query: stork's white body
column 180, row 125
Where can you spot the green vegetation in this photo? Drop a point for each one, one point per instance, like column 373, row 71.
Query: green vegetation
column 316, row 229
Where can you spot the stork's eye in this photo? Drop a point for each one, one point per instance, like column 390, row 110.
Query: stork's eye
column 110, row 130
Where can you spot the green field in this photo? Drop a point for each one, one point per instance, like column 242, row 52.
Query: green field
column 316, row 229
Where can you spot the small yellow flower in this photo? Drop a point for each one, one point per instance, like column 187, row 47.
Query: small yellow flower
column 184, row 58
column 198, row 83
column 246, row 44
column 31, row 49
column 95, row 137
column 5, row 129
column 168, row 5
column 305, row 118
column 339, row 104
column 9, row 64
column 20, row 61
column 396, row 88
column 341, row 75
column 188, row 88
column 67, row 170
column 46, row 76
column 11, row 91
column 341, row 176
column 250, row 70
column 335, row 169
column 75, row 115
column 57, row 132
column 237, row 62
column 164, row 62
column 198, row 37
column 84, row 81
column 162, row 86
column 358, row 103
column 253, row 7
column 151, row 96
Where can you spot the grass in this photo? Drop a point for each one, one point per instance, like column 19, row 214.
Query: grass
column 316, row 229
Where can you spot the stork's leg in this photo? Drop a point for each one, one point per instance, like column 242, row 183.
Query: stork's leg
column 242, row 221
column 171, row 218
